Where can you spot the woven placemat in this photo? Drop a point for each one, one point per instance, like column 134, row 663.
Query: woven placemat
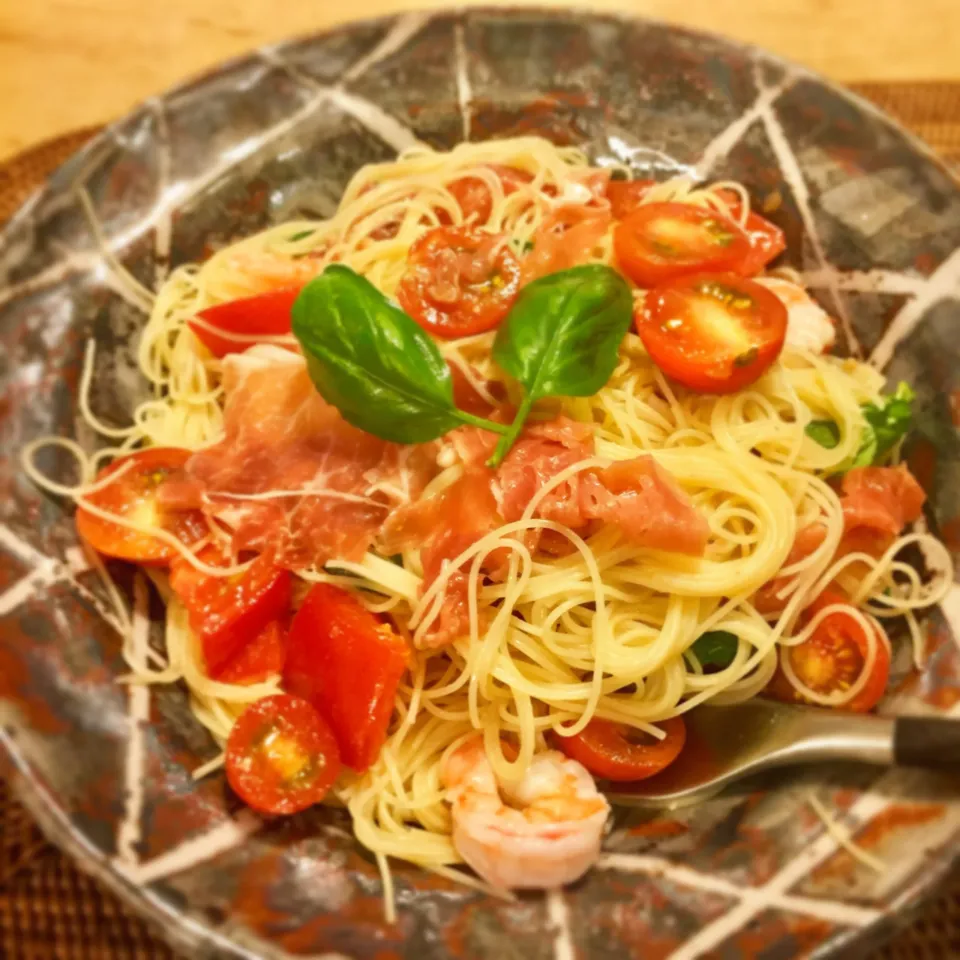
column 49, row 910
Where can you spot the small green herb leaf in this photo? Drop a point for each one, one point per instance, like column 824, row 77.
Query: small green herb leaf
column 716, row 649
column 562, row 337
column 890, row 421
column 373, row 363
column 300, row 235
column 824, row 432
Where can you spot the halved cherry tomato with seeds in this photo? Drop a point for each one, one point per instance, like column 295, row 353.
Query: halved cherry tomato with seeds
column 347, row 663
column 626, row 195
column 259, row 660
column 766, row 239
column 459, row 281
column 833, row 658
column 133, row 496
column 265, row 315
column 614, row 751
column 281, row 755
column 712, row 333
column 227, row 613
column 660, row 242
column 474, row 197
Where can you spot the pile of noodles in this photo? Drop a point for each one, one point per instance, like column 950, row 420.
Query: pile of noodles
column 605, row 631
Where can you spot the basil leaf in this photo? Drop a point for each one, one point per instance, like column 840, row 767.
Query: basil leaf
column 716, row 649
column 373, row 362
column 562, row 337
column 824, row 432
column 891, row 420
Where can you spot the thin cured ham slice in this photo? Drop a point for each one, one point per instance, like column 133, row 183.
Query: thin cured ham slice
column 878, row 502
column 280, row 436
column 646, row 504
column 567, row 237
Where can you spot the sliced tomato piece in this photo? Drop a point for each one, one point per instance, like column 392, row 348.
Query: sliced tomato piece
column 347, row 663
column 258, row 660
column 659, row 242
column 614, row 751
column 626, row 195
column 228, row 613
column 281, row 755
column 713, row 333
column 473, row 194
column 459, row 281
column 133, row 496
column 833, row 658
column 766, row 239
column 265, row 315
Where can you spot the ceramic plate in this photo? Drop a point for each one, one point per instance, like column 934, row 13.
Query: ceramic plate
column 873, row 222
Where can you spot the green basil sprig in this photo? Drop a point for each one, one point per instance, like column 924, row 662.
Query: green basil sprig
column 386, row 376
column 374, row 363
column 715, row 649
column 562, row 338
column 885, row 424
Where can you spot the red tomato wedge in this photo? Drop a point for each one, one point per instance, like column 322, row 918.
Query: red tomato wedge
column 228, row 613
column 281, row 756
column 347, row 663
column 766, row 239
column 258, row 660
column 660, row 242
column 474, row 197
column 833, row 659
column 459, row 281
column 133, row 496
column 265, row 315
column 614, row 751
column 712, row 333
column 626, row 195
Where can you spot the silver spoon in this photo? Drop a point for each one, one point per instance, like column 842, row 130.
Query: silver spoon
column 725, row 744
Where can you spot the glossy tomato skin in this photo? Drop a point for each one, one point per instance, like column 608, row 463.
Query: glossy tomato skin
column 473, row 194
column 607, row 750
column 134, row 496
column 626, row 195
column 660, row 242
column 261, row 658
column 767, row 240
column 267, row 314
column 459, row 281
column 713, row 333
column 833, row 658
column 281, row 756
column 348, row 664
column 227, row 613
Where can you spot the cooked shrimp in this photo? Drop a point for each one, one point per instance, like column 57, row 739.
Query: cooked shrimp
column 809, row 327
column 546, row 834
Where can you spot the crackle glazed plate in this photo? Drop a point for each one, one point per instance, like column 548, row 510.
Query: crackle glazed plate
column 873, row 223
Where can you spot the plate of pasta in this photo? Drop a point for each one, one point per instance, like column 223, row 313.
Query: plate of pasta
column 405, row 428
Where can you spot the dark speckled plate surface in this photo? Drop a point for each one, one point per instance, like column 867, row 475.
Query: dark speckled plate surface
column 874, row 224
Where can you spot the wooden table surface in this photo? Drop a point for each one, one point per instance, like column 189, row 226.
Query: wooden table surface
column 65, row 64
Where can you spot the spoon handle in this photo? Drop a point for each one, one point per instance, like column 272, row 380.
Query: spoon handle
column 930, row 742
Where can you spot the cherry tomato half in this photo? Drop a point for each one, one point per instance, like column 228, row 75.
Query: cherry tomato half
column 712, row 333
column 626, row 195
column 459, row 281
column 659, row 242
column 228, row 613
column 281, row 755
column 473, row 194
column 347, row 663
column 267, row 315
column 262, row 658
column 766, row 239
column 134, row 497
column 833, row 658
column 614, row 751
